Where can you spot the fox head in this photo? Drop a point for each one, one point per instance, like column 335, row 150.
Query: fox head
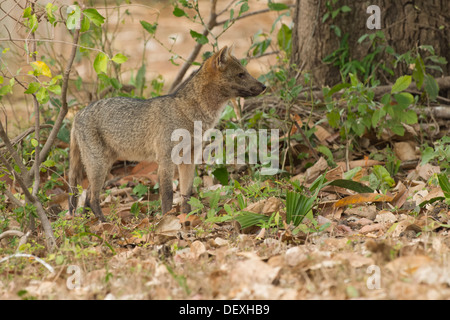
column 230, row 77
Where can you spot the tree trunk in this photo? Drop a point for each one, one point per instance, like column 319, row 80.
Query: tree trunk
column 405, row 23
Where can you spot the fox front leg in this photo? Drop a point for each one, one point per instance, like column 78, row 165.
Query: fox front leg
column 165, row 174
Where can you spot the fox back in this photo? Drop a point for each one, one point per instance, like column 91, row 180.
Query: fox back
column 136, row 130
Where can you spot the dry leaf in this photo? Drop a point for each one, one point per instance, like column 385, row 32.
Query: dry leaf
column 406, row 151
column 317, row 169
column 197, row 249
column 363, row 197
column 385, row 217
column 168, row 226
column 371, row 228
column 408, row 265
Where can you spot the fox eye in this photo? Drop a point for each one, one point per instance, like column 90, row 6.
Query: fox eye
column 241, row 75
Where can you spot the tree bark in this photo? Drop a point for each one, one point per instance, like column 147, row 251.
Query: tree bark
column 405, row 23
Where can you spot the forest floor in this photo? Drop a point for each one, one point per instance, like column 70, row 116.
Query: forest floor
column 355, row 246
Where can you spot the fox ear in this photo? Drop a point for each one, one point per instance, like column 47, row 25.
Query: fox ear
column 220, row 58
column 230, row 50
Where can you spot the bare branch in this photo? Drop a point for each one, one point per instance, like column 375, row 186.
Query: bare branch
column 211, row 24
column 64, row 107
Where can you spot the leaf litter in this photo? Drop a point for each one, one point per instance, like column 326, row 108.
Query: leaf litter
column 139, row 254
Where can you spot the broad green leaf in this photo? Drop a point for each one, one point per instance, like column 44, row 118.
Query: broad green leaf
column 445, row 184
column 101, row 63
column 49, row 163
column 33, row 87
column 401, row 84
column 34, row 142
column 427, row 155
column 377, row 116
column 284, row 38
column 27, row 12
column 95, row 17
column 244, row 8
column 410, row 117
column 119, row 58
column 419, row 72
column 150, row 28
column 346, row 9
column 221, row 174
column 404, row 99
column 177, row 12
column 351, row 185
column 431, row 87
column 50, row 8
column 277, row 6
column 56, row 89
column 5, row 90
column 200, row 38
column 42, row 95
column 85, row 24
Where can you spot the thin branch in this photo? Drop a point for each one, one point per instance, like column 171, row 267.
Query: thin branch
column 211, row 24
column 13, row 199
column 64, row 107
column 12, row 151
column 21, row 136
column 250, row 14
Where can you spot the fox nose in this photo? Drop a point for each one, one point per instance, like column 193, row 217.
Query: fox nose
column 263, row 87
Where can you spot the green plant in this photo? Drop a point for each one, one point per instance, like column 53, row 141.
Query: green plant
column 440, row 154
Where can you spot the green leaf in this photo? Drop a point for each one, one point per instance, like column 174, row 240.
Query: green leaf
column 431, row 87
column 56, row 89
column 140, row 190
column 33, row 87
column 346, row 9
column 248, row 219
column 177, row 12
column 221, row 174
column 95, row 17
column 277, row 6
column 244, row 8
column 351, row 185
column 101, row 63
column 150, row 28
column 27, row 12
column 410, row 117
column 49, row 163
column 119, row 58
column 377, row 116
column 326, row 151
column 404, row 99
column 401, row 84
column 42, row 95
column 200, row 38
column 445, row 184
column 34, row 142
column 5, row 90
column 398, row 130
column 419, row 72
column 427, row 155
column 284, row 38
column 50, row 8
column 85, row 24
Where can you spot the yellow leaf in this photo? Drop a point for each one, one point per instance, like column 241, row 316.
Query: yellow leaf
column 41, row 68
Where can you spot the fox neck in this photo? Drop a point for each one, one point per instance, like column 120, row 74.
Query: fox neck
column 205, row 100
